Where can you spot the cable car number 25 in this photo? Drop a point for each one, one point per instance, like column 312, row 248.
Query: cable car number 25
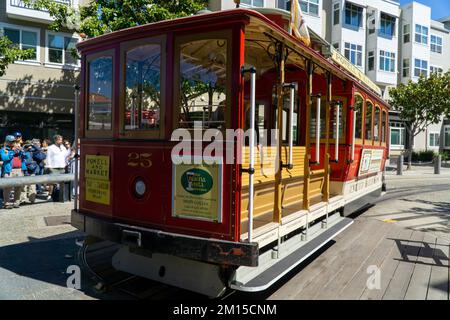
column 139, row 159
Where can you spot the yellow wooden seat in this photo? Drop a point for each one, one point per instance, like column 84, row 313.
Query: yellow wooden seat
column 264, row 179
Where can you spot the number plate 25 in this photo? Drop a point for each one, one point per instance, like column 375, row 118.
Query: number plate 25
column 139, row 160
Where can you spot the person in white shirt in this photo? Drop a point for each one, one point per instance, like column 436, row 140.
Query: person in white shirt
column 57, row 155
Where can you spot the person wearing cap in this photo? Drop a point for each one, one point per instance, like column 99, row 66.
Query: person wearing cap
column 10, row 155
column 18, row 136
column 57, row 155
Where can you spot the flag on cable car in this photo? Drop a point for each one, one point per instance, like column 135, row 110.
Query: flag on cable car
column 298, row 26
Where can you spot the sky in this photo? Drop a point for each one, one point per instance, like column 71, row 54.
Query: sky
column 439, row 8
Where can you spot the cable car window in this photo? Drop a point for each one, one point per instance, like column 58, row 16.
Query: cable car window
column 383, row 127
column 341, row 105
column 359, row 116
column 369, row 107
column 203, row 81
column 285, row 115
column 313, row 123
column 143, row 88
column 100, row 87
column 376, row 124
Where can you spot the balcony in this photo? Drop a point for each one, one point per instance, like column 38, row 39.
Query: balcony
column 18, row 9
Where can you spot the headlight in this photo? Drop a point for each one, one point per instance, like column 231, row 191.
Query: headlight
column 140, row 188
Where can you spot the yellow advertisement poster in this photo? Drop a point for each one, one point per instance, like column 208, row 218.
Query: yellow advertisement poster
column 197, row 191
column 97, row 179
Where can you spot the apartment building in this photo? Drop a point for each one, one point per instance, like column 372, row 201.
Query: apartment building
column 390, row 43
column 37, row 95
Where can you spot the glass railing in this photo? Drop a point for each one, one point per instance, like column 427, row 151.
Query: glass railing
column 23, row 4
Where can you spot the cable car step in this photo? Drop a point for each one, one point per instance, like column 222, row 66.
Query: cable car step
column 292, row 251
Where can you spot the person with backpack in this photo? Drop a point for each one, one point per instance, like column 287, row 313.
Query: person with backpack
column 12, row 167
column 29, row 167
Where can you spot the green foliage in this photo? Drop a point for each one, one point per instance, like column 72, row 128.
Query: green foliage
column 10, row 53
column 103, row 16
column 423, row 156
column 423, row 102
column 444, row 156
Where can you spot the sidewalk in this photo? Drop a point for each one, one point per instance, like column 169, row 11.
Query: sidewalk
column 415, row 171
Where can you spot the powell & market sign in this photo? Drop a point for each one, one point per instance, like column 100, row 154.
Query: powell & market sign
column 97, row 179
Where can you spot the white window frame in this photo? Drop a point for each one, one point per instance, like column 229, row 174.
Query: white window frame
column 408, row 67
column 402, row 136
column 38, row 42
column 308, row 3
column 436, row 69
column 246, row 5
column 371, row 55
column 356, row 53
column 429, row 139
column 407, row 33
column 420, row 68
column 446, row 131
column 421, row 34
column 357, row 8
column 336, row 7
column 390, row 56
column 63, row 65
column 436, row 45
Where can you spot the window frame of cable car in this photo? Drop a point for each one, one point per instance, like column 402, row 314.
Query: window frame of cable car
column 221, row 34
column 384, row 122
column 377, row 141
column 342, row 118
column 366, row 142
column 98, row 133
column 362, row 115
column 125, row 47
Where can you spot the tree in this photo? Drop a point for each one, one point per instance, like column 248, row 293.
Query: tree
column 421, row 103
column 10, row 53
column 103, row 16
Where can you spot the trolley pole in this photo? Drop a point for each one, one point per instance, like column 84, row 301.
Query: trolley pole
column 76, row 124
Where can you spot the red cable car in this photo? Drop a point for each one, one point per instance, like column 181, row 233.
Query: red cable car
column 243, row 210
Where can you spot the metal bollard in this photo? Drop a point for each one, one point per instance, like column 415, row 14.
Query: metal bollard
column 400, row 165
column 437, row 164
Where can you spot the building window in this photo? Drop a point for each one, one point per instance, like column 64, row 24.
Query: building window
column 387, row 61
column 371, row 60
column 60, row 49
column 436, row 44
column 433, row 140
column 336, row 13
column 447, row 136
column 421, row 35
column 310, row 6
column 353, row 53
column 406, row 33
column 254, row 3
column 405, row 68
column 437, row 70
column 397, row 137
column 353, row 15
column 23, row 39
column 420, row 67
column 387, row 25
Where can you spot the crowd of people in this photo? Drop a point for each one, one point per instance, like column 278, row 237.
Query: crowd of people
column 32, row 157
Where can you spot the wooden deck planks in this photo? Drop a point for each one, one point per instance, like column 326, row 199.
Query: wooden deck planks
column 439, row 283
column 355, row 288
column 312, row 272
column 333, row 260
column 350, row 265
column 418, row 284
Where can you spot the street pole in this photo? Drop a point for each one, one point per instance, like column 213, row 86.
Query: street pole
column 437, row 164
column 75, row 111
column 400, row 165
